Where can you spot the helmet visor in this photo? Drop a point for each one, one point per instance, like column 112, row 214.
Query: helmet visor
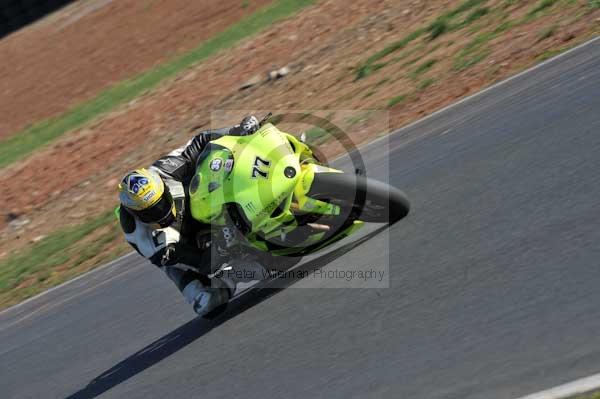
column 158, row 212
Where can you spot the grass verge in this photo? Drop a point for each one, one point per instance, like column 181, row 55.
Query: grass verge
column 425, row 83
column 421, row 69
column 473, row 52
column 26, row 141
column 591, row 395
column 316, row 135
column 396, row 100
column 547, row 32
column 542, row 5
column 369, row 65
column 58, row 257
column 435, row 29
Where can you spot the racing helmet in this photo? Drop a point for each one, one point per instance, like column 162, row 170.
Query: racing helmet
column 144, row 194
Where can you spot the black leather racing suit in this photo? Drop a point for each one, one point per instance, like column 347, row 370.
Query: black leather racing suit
column 177, row 169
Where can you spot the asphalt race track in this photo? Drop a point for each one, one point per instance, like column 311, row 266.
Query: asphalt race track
column 494, row 279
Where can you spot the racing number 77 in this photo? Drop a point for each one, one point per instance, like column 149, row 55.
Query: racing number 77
column 258, row 164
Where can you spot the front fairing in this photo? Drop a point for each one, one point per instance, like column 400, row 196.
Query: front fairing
column 258, row 172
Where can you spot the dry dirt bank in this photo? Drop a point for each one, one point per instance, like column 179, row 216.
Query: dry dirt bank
column 76, row 52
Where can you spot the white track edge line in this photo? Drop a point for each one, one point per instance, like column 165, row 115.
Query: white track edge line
column 570, row 389
column 370, row 143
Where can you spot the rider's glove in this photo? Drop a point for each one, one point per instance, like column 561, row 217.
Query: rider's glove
column 249, row 124
column 170, row 256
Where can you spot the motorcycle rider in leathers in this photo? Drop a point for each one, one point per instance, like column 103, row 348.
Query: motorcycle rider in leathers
column 155, row 218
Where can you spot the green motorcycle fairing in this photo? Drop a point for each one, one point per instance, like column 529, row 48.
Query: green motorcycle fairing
column 267, row 174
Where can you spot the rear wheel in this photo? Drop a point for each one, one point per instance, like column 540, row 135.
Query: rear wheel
column 364, row 199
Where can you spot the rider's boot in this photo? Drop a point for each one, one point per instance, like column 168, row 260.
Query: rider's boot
column 205, row 299
column 209, row 301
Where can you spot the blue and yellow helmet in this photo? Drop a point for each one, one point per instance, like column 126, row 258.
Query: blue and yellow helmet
column 144, row 194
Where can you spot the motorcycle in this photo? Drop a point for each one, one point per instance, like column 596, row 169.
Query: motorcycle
column 270, row 191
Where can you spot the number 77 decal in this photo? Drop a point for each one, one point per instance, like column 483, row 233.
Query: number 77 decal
column 257, row 169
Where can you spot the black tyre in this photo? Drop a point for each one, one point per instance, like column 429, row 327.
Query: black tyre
column 367, row 199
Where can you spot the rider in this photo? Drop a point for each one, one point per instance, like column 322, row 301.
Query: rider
column 155, row 218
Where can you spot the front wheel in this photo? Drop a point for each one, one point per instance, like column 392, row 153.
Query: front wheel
column 368, row 200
